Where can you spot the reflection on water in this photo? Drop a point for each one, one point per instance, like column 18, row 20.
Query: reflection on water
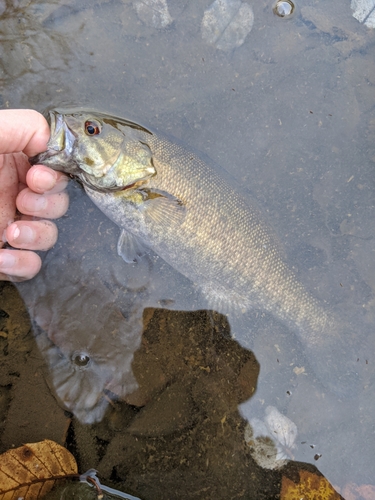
column 289, row 113
column 87, row 340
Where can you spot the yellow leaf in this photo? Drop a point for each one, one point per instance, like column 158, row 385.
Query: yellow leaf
column 310, row 487
column 30, row 472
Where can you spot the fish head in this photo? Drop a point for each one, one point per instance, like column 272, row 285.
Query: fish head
column 104, row 152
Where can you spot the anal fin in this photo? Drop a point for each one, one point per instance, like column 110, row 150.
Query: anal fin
column 224, row 301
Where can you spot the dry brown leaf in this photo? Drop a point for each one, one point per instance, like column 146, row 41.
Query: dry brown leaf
column 310, row 487
column 30, row 472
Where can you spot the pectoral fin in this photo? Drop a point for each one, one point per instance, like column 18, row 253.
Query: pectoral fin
column 163, row 208
column 129, row 247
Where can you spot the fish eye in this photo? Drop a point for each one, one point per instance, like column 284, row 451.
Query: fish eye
column 81, row 359
column 92, row 128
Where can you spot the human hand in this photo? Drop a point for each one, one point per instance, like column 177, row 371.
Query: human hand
column 36, row 192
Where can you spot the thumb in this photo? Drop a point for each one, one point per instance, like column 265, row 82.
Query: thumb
column 23, row 130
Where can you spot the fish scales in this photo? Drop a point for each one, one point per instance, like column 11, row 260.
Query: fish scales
column 223, row 244
column 167, row 198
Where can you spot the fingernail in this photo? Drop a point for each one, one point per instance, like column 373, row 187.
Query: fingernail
column 7, row 260
column 23, row 234
column 34, row 203
column 59, row 186
column 44, row 179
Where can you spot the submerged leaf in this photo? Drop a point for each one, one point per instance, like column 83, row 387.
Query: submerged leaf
column 30, row 472
column 364, row 12
column 282, row 429
column 310, row 487
column 271, row 441
column 153, row 13
column 226, row 23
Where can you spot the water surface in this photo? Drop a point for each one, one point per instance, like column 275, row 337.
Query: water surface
column 289, row 113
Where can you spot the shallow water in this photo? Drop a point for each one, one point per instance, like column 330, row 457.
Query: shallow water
column 289, row 113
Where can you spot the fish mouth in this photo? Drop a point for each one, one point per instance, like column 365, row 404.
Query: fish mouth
column 58, row 155
column 62, row 138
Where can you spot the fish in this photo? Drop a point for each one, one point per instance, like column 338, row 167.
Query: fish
column 169, row 199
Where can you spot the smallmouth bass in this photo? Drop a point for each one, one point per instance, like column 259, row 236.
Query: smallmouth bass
column 166, row 198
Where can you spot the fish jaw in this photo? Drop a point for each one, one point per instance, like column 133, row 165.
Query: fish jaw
column 60, row 146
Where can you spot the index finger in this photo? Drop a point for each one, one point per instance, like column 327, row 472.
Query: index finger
column 8, row 192
column 23, row 130
column 41, row 179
